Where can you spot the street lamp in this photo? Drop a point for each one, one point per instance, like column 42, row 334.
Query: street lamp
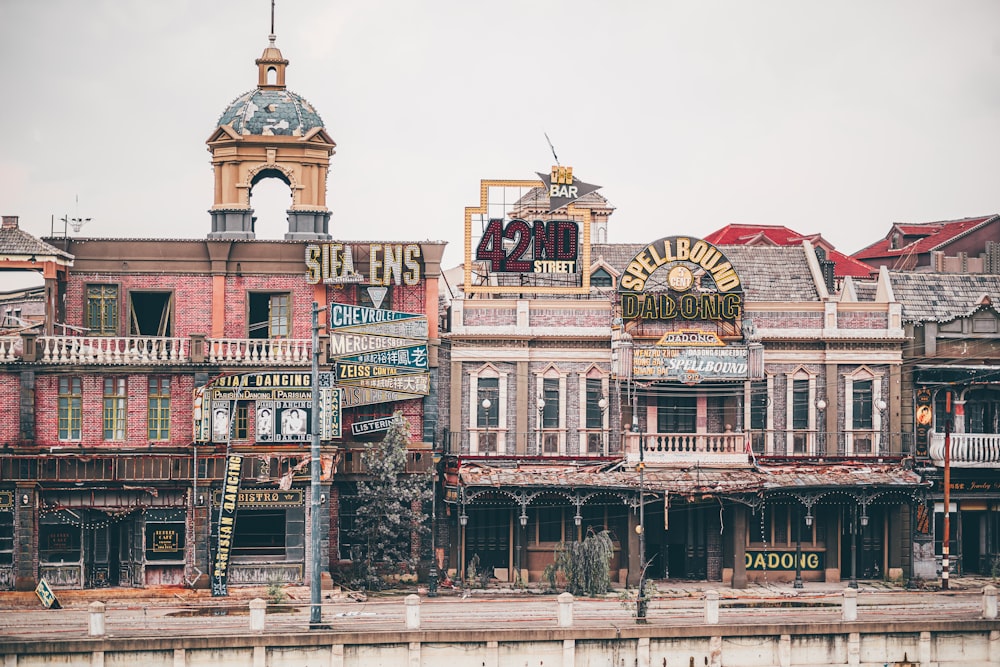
column 821, row 409
column 603, row 405
column 854, row 547
column 486, row 409
column 798, row 549
column 640, row 600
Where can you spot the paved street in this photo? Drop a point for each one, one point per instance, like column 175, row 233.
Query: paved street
column 181, row 612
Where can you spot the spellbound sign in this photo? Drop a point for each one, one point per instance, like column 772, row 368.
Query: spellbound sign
column 783, row 560
column 388, row 263
column 681, row 279
column 690, row 365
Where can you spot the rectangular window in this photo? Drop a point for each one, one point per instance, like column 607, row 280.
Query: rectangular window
column 114, row 408
column 158, row 413
column 800, row 405
column 102, row 310
column 260, row 533
column 862, row 404
column 595, row 394
column 70, row 408
column 489, row 390
column 676, row 414
column 6, row 537
column 550, row 394
column 269, row 315
column 241, row 425
column 150, row 313
column 59, row 542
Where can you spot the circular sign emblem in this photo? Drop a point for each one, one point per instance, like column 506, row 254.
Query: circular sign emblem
column 680, row 278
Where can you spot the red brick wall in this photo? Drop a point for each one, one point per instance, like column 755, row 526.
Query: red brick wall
column 192, row 298
column 136, row 434
column 10, row 400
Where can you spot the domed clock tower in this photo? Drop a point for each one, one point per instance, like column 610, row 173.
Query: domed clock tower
column 270, row 132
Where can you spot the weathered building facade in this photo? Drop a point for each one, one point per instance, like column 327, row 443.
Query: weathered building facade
column 718, row 409
column 161, row 416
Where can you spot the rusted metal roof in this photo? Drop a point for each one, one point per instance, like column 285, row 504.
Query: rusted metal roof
column 687, row 481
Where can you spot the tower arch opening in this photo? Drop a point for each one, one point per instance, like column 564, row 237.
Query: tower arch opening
column 270, row 198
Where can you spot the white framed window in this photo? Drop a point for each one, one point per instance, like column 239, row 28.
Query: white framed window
column 594, row 413
column 863, row 406
column 488, row 411
column 800, row 413
column 551, row 423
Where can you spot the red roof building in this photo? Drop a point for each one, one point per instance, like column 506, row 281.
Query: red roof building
column 928, row 246
column 779, row 235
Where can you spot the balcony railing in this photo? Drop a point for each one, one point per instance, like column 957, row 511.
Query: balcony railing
column 967, row 450
column 112, row 350
column 686, row 448
column 10, row 348
column 276, row 351
column 860, row 444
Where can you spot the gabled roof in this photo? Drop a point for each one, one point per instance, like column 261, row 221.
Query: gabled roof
column 942, row 297
column 15, row 241
column 779, row 235
column 921, row 238
column 754, row 264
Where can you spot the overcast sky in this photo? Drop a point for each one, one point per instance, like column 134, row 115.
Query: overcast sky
column 831, row 117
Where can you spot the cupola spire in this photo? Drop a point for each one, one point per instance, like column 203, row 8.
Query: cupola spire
column 271, row 65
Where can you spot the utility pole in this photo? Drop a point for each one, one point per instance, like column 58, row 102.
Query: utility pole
column 946, row 539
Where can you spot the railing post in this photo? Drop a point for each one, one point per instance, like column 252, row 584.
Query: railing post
column 989, row 602
column 566, row 610
column 97, row 625
column 197, row 350
column 712, row 607
column 850, row 604
column 258, row 612
column 412, row 603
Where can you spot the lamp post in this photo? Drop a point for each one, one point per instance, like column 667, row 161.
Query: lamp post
column 315, row 580
column 854, row 547
column 540, row 424
column 798, row 548
column 946, row 539
column 523, row 521
column 486, row 407
column 640, row 600
column 603, row 405
column 821, row 409
column 463, row 520
column 432, row 574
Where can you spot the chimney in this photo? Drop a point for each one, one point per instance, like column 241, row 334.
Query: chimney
column 10, row 222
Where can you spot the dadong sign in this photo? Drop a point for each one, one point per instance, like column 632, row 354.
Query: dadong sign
column 680, row 278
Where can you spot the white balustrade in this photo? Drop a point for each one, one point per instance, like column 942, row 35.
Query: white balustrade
column 967, row 450
column 112, row 350
column 10, row 348
column 687, row 447
column 276, row 351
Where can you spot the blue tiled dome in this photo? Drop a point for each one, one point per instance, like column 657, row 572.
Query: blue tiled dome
column 271, row 112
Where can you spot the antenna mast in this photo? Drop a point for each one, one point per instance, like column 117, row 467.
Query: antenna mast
column 551, row 147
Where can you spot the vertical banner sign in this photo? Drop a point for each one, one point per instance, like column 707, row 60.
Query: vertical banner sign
column 227, row 525
column 924, row 416
column 329, row 410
